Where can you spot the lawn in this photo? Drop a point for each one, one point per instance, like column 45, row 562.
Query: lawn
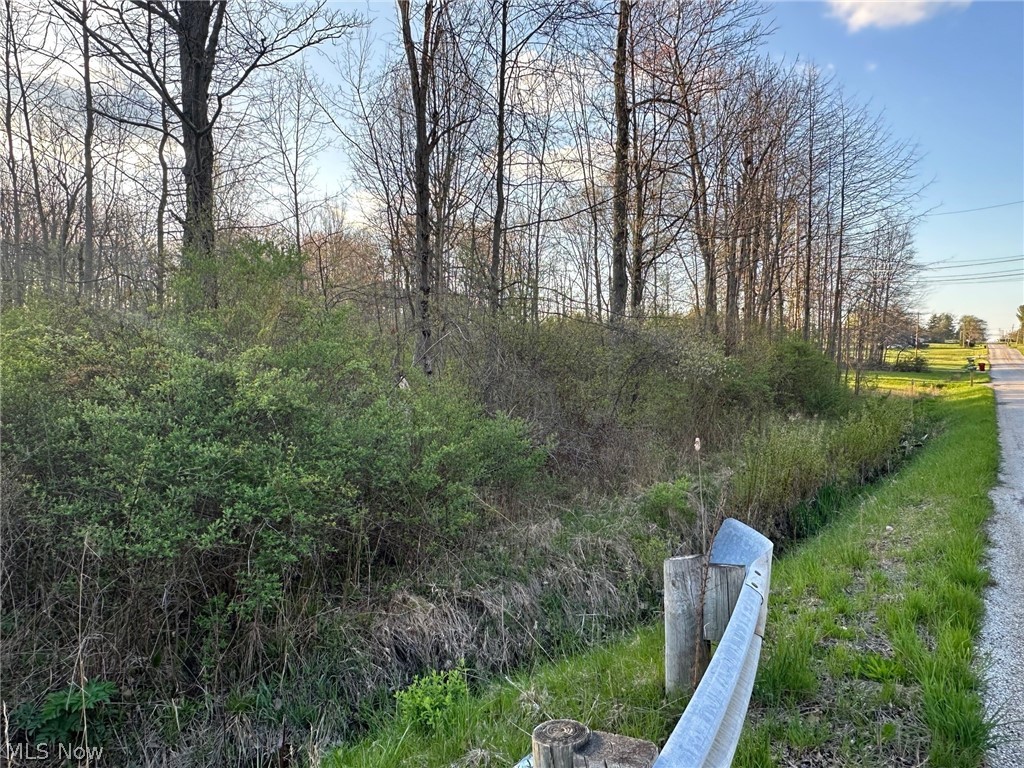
column 946, row 364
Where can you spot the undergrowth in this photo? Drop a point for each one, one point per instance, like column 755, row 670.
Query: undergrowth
column 868, row 659
column 258, row 524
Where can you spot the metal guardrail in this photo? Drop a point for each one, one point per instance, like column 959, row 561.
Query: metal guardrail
column 709, row 729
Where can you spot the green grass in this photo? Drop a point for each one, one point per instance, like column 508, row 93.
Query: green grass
column 895, row 667
column 868, row 658
column 617, row 688
column 947, row 365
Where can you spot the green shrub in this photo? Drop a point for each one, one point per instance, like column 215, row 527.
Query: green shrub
column 158, row 455
column 67, row 716
column 915, row 364
column 667, row 505
column 169, row 456
column 257, row 291
column 807, row 381
column 424, row 455
column 429, row 702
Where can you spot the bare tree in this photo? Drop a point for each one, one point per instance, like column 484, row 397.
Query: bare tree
column 219, row 49
column 621, row 180
column 295, row 136
column 421, row 58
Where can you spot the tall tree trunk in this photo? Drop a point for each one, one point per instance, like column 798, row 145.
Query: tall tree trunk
column 40, row 233
column 732, row 294
column 199, row 29
column 161, row 209
column 497, row 235
column 806, row 331
column 638, row 245
column 702, row 224
column 618, row 306
column 420, row 74
column 596, row 255
column 15, row 245
column 87, row 255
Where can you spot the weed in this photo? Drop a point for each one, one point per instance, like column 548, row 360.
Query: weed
column 432, row 698
column 874, row 666
column 667, row 505
column 71, row 716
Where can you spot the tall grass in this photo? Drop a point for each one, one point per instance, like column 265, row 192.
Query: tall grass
column 787, row 465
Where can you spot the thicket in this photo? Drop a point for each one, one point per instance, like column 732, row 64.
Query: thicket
column 248, row 528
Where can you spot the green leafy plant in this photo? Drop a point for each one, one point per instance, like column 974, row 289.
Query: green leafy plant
column 69, row 715
column 873, row 666
column 428, row 703
column 668, row 504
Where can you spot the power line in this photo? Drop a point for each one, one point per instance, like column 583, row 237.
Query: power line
column 969, row 275
column 965, row 279
column 990, row 281
column 967, row 264
column 972, row 210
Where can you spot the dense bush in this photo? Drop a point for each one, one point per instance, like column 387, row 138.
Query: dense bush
column 193, row 495
column 915, row 364
column 154, row 453
column 621, row 405
column 806, row 381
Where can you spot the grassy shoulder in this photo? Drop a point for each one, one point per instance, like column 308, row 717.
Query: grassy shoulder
column 868, row 658
column 618, row 687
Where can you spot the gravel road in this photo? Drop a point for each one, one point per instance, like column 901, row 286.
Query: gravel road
column 1001, row 634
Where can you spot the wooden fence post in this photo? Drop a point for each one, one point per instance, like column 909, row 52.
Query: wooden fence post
column 555, row 741
column 686, row 651
column 725, row 582
column 569, row 744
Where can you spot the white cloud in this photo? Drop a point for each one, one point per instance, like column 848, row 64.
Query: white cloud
column 861, row 14
column 871, row 66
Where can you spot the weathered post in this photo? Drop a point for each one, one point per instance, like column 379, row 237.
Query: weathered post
column 555, row 741
column 725, row 582
column 686, row 651
column 569, row 744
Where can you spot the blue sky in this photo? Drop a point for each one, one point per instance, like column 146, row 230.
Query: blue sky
column 951, row 77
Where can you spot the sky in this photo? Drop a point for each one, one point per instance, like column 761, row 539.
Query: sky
column 950, row 76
